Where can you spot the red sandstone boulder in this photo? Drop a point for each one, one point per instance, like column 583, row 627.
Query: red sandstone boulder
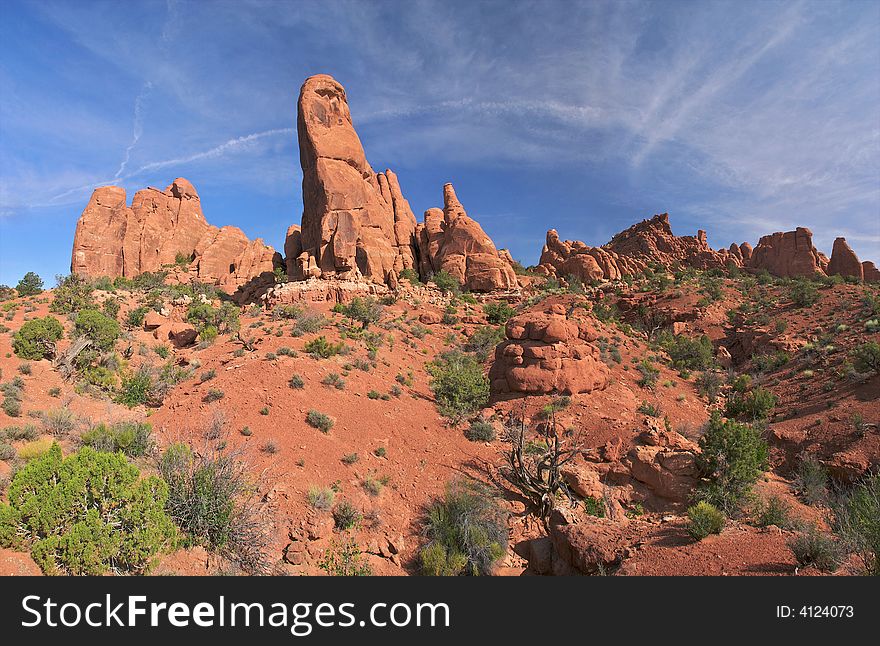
column 113, row 239
column 789, row 254
column 458, row 245
column 870, row 272
column 153, row 320
column 430, row 318
column 844, row 261
column 592, row 547
column 548, row 350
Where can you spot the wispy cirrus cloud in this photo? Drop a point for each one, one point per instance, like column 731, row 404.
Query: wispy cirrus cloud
column 739, row 118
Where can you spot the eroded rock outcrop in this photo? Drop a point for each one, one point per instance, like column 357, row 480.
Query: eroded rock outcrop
column 790, row 254
column 629, row 252
column 451, row 241
column 844, row 261
column 870, row 272
column 549, row 349
column 113, row 239
column 355, row 223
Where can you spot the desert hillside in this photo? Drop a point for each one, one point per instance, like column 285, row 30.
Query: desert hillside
column 398, row 397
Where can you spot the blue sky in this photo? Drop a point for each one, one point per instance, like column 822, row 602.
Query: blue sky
column 739, row 118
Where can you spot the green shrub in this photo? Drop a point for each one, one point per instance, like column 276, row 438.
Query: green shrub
column 148, row 280
column 7, row 452
column 345, row 515
column 30, row 285
column 594, row 506
column 7, row 293
column 60, row 421
column 466, row 531
column 319, row 421
column 203, row 315
column 344, row 559
column 363, row 310
column 321, row 497
column 287, row 312
column 649, row 374
column 11, row 406
column 36, row 338
column 86, row 514
column 309, row 323
column 812, row 547
column 111, row 307
column 733, row 457
column 411, row 275
column 213, row 395
column 687, row 353
column 857, row 522
column 136, row 388
column 752, row 405
column 867, row 357
column 652, row 410
column 774, row 511
column 704, row 519
column 446, row 283
column 101, row 330
column 459, row 385
column 322, row 348
column 213, row 499
column 483, row 340
column 136, row 316
column 709, row 385
column 333, row 379
column 803, row 293
column 480, row 431
column 498, row 313
column 14, row 433
column 296, row 382
column 72, row 294
column 132, row 438
column 770, row 361
column 811, row 480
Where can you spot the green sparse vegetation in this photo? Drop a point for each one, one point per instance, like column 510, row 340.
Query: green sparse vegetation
column 704, row 519
column 733, row 457
column 35, row 340
column 459, row 385
column 466, row 532
column 88, row 513
column 319, row 421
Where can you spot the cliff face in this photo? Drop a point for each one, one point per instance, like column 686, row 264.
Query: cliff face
column 789, row 254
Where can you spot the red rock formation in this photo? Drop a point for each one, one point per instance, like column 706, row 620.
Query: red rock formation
column 844, row 261
column 870, row 272
column 292, row 249
column 629, row 252
column 355, row 223
column 548, row 350
column 574, row 258
column 789, row 254
column 113, row 239
column 653, row 241
column 452, row 241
